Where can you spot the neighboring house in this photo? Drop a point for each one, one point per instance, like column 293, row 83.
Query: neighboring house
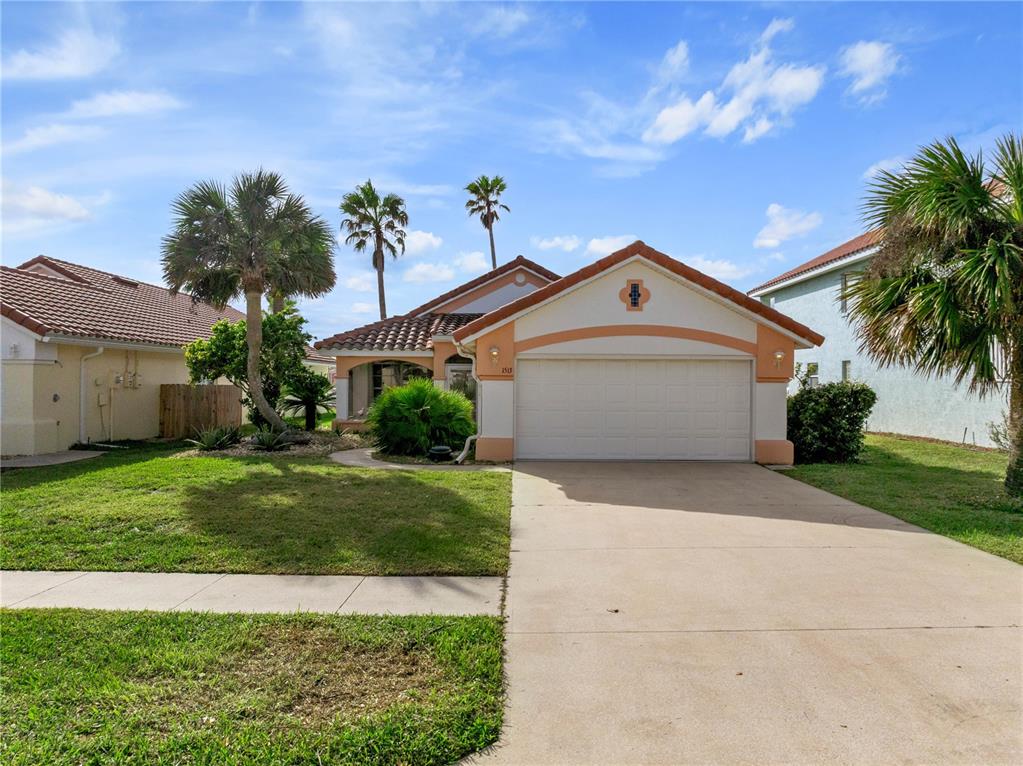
column 636, row 356
column 907, row 402
column 85, row 352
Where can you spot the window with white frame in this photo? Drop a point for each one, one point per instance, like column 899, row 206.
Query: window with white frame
column 846, row 369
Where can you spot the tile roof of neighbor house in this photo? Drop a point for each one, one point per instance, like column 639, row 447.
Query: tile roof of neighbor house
column 402, row 333
column 640, row 248
column 472, row 284
column 92, row 304
column 846, row 249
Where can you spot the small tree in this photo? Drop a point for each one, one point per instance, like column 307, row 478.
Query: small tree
column 225, row 355
column 308, row 393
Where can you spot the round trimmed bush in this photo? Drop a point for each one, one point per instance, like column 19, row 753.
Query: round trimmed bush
column 409, row 419
column 825, row 422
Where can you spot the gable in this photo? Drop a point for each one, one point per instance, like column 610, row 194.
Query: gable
column 669, row 302
column 491, row 295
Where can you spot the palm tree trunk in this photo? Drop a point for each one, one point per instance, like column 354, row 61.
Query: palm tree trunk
column 254, row 340
column 1014, row 471
column 493, row 250
column 276, row 302
column 380, row 293
column 310, row 417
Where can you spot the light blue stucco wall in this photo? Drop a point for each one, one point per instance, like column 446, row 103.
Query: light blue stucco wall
column 907, row 403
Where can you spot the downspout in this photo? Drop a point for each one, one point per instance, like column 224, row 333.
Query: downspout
column 479, row 405
column 81, row 393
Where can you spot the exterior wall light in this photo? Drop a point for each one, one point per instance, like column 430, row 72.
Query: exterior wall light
column 778, row 356
column 494, row 351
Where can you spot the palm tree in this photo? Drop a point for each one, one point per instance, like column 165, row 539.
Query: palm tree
column 246, row 240
column 378, row 222
column 944, row 293
column 485, row 201
column 307, row 394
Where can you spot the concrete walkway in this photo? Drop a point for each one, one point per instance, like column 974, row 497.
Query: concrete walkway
column 363, row 458
column 726, row 614
column 252, row 593
column 49, row 458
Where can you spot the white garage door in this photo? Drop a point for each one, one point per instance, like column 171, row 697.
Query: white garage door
column 617, row 409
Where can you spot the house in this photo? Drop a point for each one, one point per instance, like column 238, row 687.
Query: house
column 907, row 402
column 85, row 352
column 636, row 356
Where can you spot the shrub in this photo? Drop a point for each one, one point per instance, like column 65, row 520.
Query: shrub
column 266, row 439
column 825, row 422
column 216, row 438
column 409, row 419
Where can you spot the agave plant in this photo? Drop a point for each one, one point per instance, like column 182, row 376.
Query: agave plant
column 269, row 439
column 216, row 438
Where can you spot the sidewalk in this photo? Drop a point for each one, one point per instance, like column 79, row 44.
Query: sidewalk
column 252, row 593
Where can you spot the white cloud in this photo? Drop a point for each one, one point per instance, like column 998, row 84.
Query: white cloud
column 362, row 308
column 473, row 263
column 31, row 208
column 784, row 224
column 501, row 21
column 757, row 94
column 719, row 268
column 76, row 53
column 869, row 65
column 50, row 135
column 568, row 242
column 428, row 272
column 888, row 163
column 681, row 119
column 124, row 102
column 607, row 245
column 418, row 242
column 674, row 65
column 364, row 282
column 774, row 257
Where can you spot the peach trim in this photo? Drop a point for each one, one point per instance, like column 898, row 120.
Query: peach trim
column 774, row 451
column 346, row 364
column 442, row 349
column 503, row 367
column 499, row 450
column 619, row 330
column 769, row 369
column 352, row 425
column 452, row 306
column 625, row 297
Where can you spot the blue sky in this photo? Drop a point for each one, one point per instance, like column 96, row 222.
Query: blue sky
column 734, row 137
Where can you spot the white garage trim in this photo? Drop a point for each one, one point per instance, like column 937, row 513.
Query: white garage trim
column 617, row 408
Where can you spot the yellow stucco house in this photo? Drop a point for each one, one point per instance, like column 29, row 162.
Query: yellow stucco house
column 85, row 351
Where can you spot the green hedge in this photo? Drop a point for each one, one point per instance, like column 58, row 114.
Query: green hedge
column 825, row 422
column 409, row 419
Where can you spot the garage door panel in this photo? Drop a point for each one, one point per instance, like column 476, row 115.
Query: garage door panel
column 615, row 409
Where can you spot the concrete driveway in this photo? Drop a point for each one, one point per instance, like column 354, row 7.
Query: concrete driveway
column 722, row 614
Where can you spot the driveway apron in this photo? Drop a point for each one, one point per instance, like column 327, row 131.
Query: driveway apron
column 666, row 613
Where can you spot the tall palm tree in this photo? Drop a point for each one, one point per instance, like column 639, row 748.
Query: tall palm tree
column 247, row 240
column 944, row 293
column 485, row 201
column 376, row 222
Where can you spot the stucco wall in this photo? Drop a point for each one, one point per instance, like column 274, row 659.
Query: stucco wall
column 907, row 403
column 40, row 397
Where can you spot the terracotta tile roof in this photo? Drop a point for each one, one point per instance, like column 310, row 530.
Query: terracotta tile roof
column 472, row 284
column 404, row 333
column 88, row 303
column 642, row 249
column 846, row 249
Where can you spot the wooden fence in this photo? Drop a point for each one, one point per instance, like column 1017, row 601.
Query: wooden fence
column 185, row 408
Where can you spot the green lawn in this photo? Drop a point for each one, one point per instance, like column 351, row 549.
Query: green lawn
column 147, row 688
column 145, row 509
column 954, row 491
